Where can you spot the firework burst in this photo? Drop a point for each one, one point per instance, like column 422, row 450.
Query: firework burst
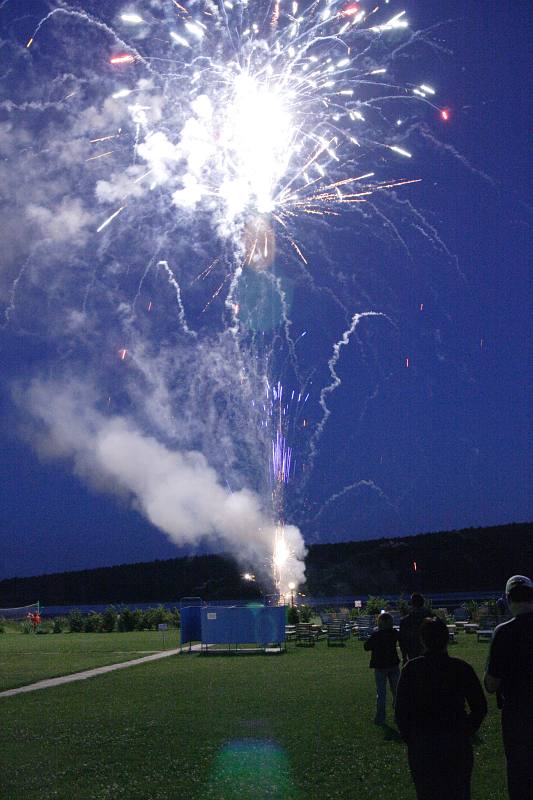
column 268, row 111
column 255, row 116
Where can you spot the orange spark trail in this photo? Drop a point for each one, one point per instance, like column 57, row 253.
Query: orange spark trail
column 125, row 58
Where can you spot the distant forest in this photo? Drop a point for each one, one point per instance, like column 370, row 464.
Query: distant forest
column 464, row 560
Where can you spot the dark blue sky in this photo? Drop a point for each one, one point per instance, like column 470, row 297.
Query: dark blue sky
column 440, row 441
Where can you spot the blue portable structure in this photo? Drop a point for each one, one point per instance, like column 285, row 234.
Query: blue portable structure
column 233, row 625
column 190, row 620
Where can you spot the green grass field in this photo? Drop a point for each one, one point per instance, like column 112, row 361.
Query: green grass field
column 26, row 658
column 293, row 727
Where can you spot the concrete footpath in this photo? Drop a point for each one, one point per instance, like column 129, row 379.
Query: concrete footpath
column 90, row 673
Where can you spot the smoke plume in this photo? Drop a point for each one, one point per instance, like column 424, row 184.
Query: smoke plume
column 177, row 491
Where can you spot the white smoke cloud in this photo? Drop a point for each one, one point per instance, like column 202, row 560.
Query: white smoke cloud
column 160, row 156
column 119, row 186
column 67, row 222
column 177, row 491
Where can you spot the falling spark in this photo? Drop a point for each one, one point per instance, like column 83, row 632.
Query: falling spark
column 407, row 362
column 110, row 219
column 124, row 58
column 350, row 10
column 400, row 151
column 275, row 14
column 100, row 155
column 445, row 114
column 122, row 93
column 104, row 138
column 132, row 19
column 293, row 243
column 123, row 353
column 395, row 22
column 179, row 39
column 195, row 30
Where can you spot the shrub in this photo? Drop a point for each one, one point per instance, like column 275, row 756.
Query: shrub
column 158, row 616
column 374, row 605
column 57, row 626
column 92, row 623
column 293, row 617
column 126, row 620
column 75, row 622
column 26, row 627
column 306, row 612
column 492, row 607
column 109, row 619
column 151, row 617
column 175, row 617
column 140, row 620
column 473, row 610
column 403, row 605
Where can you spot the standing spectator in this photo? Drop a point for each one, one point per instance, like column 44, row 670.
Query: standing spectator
column 410, row 643
column 384, row 661
column 34, row 619
column 510, row 674
column 432, row 718
column 501, row 606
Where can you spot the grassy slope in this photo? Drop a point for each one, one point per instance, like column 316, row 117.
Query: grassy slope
column 297, row 727
column 26, row 658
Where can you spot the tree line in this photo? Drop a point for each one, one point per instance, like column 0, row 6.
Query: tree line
column 464, row 560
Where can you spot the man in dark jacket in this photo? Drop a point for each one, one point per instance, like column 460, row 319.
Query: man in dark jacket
column 510, row 674
column 410, row 643
column 384, row 661
column 432, row 719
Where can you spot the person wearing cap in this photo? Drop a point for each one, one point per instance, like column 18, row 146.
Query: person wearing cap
column 509, row 673
column 410, row 643
column 431, row 715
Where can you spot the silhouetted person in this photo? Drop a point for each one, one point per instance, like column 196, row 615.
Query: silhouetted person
column 510, row 674
column 501, row 606
column 432, row 718
column 410, row 643
column 384, row 661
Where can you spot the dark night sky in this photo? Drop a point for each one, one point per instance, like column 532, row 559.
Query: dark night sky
column 436, row 445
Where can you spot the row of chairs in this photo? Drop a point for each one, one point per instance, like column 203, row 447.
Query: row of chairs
column 338, row 628
column 307, row 635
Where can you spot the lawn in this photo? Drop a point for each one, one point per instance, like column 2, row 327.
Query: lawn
column 26, row 658
column 291, row 727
